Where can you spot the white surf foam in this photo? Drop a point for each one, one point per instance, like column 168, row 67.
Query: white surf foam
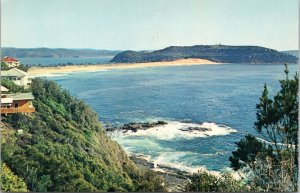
column 49, row 75
column 272, row 143
column 175, row 129
column 171, row 161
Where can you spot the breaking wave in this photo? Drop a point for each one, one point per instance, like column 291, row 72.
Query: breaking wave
column 175, row 129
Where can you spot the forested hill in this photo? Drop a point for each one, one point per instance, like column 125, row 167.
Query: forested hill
column 292, row 52
column 55, row 52
column 63, row 148
column 216, row 53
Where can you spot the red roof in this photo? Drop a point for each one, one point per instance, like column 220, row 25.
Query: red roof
column 9, row 59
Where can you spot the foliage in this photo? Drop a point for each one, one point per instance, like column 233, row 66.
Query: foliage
column 248, row 149
column 10, row 182
column 64, row 148
column 270, row 175
column 4, row 66
column 277, row 119
column 23, row 67
column 274, row 168
column 203, row 181
column 151, row 182
column 13, row 88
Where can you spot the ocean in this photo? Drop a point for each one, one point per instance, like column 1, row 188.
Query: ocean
column 219, row 97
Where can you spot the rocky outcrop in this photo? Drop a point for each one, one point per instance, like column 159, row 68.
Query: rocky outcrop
column 136, row 126
column 191, row 129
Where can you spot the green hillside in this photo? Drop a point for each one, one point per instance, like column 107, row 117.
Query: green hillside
column 216, row 53
column 64, row 148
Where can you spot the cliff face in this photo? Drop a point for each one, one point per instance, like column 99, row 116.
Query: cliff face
column 216, row 53
column 63, row 146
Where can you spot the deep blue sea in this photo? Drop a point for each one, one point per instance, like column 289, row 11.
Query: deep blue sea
column 204, row 95
column 65, row 60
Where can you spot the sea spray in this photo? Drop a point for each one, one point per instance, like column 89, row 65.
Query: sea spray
column 175, row 129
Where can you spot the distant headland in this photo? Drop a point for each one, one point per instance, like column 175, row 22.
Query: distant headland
column 215, row 53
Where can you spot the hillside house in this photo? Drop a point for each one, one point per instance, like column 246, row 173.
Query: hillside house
column 16, row 103
column 11, row 62
column 17, row 76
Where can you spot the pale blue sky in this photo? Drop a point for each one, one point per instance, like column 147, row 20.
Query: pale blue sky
column 148, row 24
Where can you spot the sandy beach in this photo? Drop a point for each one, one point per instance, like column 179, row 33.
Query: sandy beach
column 44, row 71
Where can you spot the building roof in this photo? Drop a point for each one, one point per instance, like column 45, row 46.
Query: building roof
column 21, row 96
column 6, row 100
column 4, row 89
column 13, row 72
column 9, row 59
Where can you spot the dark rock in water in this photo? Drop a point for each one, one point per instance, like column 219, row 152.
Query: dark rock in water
column 173, row 170
column 110, row 128
column 132, row 126
column 136, row 126
column 142, row 162
column 162, row 122
column 190, row 129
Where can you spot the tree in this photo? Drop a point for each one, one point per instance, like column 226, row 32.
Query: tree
column 248, row 149
column 13, row 88
column 4, row 66
column 273, row 168
column 11, row 182
column 277, row 119
column 150, row 181
column 23, row 67
column 203, row 181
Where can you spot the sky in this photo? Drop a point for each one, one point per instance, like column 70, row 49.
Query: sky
column 148, row 24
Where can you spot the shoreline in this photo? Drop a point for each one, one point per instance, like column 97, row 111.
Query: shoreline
column 39, row 71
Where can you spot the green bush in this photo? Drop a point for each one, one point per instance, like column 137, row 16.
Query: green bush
column 273, row 168
column 63, row 146
column 150, row 181
column 203, row 181
column 11, row 182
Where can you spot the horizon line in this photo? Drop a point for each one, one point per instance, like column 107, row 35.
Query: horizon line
column 102, row 49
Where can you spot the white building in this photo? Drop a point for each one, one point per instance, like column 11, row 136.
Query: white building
column 17, row 76
column 11, row 62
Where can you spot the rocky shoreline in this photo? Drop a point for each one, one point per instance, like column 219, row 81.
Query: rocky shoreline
column 136, row 126
column 175, row 178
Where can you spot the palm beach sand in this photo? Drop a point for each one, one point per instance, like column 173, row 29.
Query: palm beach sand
column 38, row 71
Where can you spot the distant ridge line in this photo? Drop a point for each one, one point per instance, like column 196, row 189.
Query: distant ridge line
column 215, row 53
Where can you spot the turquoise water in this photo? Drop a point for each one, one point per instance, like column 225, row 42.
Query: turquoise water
column 212, row 94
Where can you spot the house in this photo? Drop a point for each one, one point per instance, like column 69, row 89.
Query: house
column 18, row 76
column 11, row 62
column 3, row 89
column 16, row 103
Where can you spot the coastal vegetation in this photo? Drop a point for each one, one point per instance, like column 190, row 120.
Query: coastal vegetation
column 63, row 147
column 268, row 165
column 23, row 67
column 203, row 181
column 215, row 53
column 10, row 181
column 271, row 164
